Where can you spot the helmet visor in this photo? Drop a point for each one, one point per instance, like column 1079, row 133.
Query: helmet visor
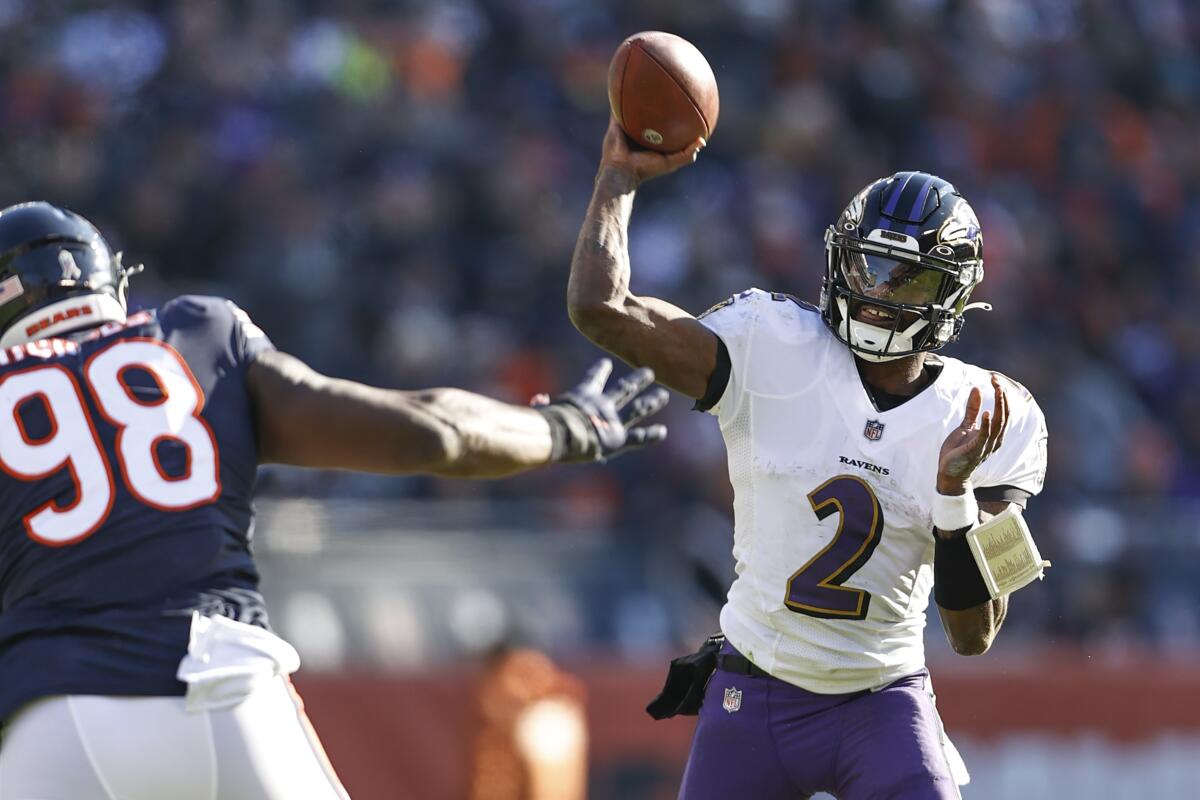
column 892, row 281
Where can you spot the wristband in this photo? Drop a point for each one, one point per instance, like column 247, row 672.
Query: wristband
column 558, row 435
column 572, row 437
column 957, row 582
column 953, row 512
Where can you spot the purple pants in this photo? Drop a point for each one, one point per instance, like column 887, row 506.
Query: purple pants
column 776, row 741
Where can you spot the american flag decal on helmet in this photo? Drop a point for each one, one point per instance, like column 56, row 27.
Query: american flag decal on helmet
column 874, row 430
column 10, row 288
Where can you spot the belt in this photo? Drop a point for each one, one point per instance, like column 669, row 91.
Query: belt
column 740, row 665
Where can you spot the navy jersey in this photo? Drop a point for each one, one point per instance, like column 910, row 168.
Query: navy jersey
column 129, row 458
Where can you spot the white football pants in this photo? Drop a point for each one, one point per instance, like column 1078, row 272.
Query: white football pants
column 151, row 748
column 240, row 733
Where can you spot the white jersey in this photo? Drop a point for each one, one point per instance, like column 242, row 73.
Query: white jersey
column 833, row 529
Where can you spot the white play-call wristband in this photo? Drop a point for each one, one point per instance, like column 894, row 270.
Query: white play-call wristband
column 952, row 512
column 1007, row 557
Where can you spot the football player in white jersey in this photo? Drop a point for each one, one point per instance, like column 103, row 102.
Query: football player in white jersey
column 860, row 461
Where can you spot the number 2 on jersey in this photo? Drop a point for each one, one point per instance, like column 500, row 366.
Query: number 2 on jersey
column 816, row 588
column 73, row 444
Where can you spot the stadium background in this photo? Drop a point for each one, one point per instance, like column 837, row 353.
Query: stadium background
column 392, row 190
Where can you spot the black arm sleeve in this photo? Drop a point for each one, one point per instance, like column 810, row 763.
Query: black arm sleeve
column 1002, row 494
column 957, row 582
column 717, row 381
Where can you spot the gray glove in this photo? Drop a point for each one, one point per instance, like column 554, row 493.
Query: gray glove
column 590, row 424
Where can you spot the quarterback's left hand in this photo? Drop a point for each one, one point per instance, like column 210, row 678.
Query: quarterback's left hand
column 972, row 442
column 590, row 424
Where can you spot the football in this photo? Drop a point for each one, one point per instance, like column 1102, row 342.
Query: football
column 662, row 91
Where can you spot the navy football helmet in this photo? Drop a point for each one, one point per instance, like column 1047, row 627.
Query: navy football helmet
column 57, row 274
column 900, row 265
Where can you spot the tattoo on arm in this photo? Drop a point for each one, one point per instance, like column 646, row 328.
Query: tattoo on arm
column 642, row 331
column 600, row 265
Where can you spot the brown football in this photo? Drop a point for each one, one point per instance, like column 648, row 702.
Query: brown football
column 662, row 91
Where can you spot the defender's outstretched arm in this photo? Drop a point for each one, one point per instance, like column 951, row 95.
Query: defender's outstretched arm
column 307, row 419
column 643, row 331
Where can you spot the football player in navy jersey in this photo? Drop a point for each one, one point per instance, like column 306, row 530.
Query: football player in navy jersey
column 135, row 660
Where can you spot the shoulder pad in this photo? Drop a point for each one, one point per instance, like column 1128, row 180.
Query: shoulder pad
column 782, row 297
column 746, row 296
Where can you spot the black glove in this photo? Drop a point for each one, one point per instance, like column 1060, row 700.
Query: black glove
column 590, row 424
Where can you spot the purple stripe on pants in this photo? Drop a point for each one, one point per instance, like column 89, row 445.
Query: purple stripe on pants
column 766, row 739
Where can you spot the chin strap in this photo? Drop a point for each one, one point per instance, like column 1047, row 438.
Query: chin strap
column 983, row 306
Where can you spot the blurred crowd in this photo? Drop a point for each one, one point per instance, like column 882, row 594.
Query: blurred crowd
column 393, row 190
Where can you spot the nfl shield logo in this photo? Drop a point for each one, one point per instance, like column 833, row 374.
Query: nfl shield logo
column 733, row 700
column 874, row 430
